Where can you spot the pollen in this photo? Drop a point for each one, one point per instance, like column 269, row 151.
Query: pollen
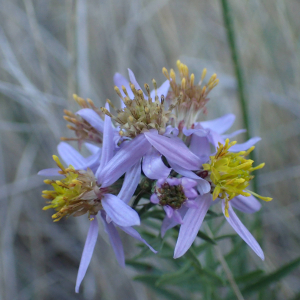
column 230, row 174
column 74, row 195
column 190, row 98
column 141, row 113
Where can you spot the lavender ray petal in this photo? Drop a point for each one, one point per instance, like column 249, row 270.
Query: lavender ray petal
column 126, row 157
column 201, row 132
column 191, row 224
column 203, row 186
column 133, row 80
column 91, row 117
column 120, row 80
column 120, row 212
column 169, row 211
column 174, row 149
column 49, row 172
column 87, row 252
column 154, row 199
column 215, row 138
column 131, row 181
column 70, row 156
column 247, row 205
column 162, row 90
column 92, row 148
column 201, row 147
column 114, row 239
column 242, row 231
column 233, row 134
column 246, row 145
column 220, row 125
column 169, row 223
column 108, row 142
column 153, row 166
column 131, row 231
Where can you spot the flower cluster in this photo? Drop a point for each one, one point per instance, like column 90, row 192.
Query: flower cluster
column 155, row 137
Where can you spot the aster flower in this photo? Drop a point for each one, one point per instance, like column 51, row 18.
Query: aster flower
column 175, row 195
column 229, row 175
column 144, row 120
column 79, row 193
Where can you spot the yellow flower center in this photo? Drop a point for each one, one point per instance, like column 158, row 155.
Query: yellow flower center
column 190, row 98
column 140, row 114
column 74, row 195
column 230, row 173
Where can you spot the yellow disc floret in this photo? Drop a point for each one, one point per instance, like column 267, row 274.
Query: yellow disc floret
column 230, row 173
column 74, row 195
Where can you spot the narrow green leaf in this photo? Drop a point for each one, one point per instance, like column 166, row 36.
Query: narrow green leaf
column 150, row 280
column 249, row 276
column 273, row 277
column 141, row 266
column 193, row 258
column 171, row 277
column 205, row 237
column 156, row 214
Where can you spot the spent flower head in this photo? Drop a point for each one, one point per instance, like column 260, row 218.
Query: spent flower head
column 189, row 98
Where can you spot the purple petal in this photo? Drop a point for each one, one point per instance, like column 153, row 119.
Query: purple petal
column 71, row 156
column 245, row 146
column 108, row 142
column 177, row 217
column 171, row 131
column 120, row 212
column 191, row 224
column 91, row 117
column 215, row 138
column 133, row 80
column 203, row 186
column 153, row 166
column 162, row 90
column 114, row 239
column 131, row 231
column 201, row 147
column 191, row 204
column 131, row 181
column 201, row 132
column 233, row 134
column 123, row 160
column 154, row 199
column 247, row 205
column 92, row 148
column 174, row 149
column 50, row 172
column 169, row 223
column 120, row 80
column 169, row 211
column 87, row 252
column 220, row 125
column 242, row 231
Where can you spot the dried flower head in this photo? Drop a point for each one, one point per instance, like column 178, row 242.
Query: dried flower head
column 84, row 130
column 190, row 98
column 141, row 113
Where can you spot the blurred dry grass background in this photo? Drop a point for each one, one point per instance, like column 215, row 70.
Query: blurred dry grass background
column 51, row 49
